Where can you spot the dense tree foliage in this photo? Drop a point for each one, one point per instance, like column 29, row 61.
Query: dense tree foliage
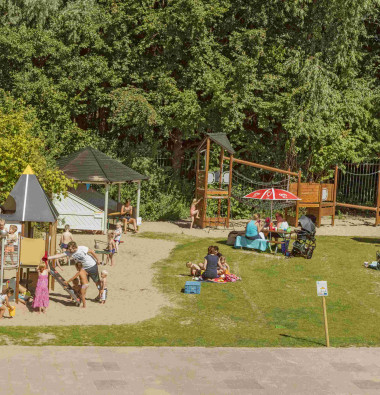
column 293, row 83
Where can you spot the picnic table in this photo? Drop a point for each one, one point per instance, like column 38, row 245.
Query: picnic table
column 278, row 237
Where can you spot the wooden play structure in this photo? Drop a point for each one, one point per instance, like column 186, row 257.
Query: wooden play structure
column 29, row 203
column 317, row 198
column 202, row 190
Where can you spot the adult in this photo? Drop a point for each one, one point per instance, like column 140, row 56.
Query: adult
column 126, row 215
column 281, row 223
column 85, row 256
column 211, row 264
column 253, row 229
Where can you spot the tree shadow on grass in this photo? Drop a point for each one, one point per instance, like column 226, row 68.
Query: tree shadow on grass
column 302, row 339
column 370, row 240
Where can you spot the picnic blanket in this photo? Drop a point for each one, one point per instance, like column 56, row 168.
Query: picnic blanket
column 228, row 278
column 258, row 244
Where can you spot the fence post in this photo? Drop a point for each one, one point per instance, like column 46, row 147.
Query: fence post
column 298, row 194
column 335, row 192
column 377, row 221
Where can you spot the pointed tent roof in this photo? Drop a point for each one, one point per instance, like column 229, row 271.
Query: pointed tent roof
column 28, row 201
column 92, row 166
column 222, row 140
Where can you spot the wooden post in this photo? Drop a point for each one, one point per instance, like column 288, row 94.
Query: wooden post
column 334, row 193
column 377, row 221
column 220, row 178
column 206, row 183
column 229, row 191
column 288, row 187
column 319, row 221
column 53, row 247
column 119, row 193
column 298, row 194
column 325, row 318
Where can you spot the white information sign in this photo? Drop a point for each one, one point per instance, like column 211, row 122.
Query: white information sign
column 322, row 288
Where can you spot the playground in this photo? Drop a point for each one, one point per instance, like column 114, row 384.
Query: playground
column 274, row 304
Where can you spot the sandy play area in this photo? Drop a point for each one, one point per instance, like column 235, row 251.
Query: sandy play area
column 131, row 294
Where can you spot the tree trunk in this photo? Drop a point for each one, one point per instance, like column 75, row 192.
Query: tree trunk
column 177, row 150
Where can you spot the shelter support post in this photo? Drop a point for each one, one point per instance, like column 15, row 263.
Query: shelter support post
column 106, row 209
column 335, row 191
column 298, row 194
column 119, row 193
column 377, row 221
column 138, row 199
column 204, row 203
column 229, row 192
column 53, row 247
column 220, row 178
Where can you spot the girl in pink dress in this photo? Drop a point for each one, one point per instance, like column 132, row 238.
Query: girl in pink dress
column 41, row 297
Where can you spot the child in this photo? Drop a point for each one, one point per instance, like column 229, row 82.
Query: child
column 41, row 297
column 66, row 237
column 224, row 267
column 194, row 212
column 2, row 224
column 82, row 274
column 103, row 291
column 118, row 233
column 4, row 301
column 11, row 240
column 195, row 270
column 76, row 286
column 111, row 247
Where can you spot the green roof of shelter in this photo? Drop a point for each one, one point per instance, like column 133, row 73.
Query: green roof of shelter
column 92, row 166
column 222, row 140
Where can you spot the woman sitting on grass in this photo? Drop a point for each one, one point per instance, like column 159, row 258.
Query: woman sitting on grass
column 211, row 264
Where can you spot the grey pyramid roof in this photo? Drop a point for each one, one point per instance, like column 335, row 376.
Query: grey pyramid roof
column 29, row 202
column 222, row 140
column 92, row 166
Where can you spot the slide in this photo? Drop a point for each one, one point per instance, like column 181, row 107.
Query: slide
column 61, row 281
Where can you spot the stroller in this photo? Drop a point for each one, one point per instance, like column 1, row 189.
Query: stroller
column 305, row 243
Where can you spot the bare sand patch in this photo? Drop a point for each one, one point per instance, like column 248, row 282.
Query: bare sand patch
column 131, row 294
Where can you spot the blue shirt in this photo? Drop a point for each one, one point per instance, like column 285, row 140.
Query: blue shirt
column 251, row 229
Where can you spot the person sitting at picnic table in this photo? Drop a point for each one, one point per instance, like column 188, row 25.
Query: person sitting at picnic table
column 254, row 228
column 126, row 216
column 281, row 223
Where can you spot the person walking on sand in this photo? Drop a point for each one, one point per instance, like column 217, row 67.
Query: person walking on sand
column 194, row 212
column 41, row 298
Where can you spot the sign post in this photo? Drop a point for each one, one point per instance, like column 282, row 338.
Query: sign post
column 322, row 291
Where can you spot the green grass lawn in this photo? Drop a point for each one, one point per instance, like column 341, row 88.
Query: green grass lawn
column 275, row 304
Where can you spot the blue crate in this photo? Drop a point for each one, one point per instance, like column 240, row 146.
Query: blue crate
column 192, row 287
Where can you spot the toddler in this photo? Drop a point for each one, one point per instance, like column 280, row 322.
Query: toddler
column 195, row 270
column 82, row 274
column 41, row 297
column 194, row 212
column 11, row 241
column 111, row 247
column 103, row 291
column 76, row 286
column 118, row 233
column 224, row 267
column 4, row 301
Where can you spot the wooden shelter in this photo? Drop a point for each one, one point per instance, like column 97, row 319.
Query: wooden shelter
column 90, row 166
